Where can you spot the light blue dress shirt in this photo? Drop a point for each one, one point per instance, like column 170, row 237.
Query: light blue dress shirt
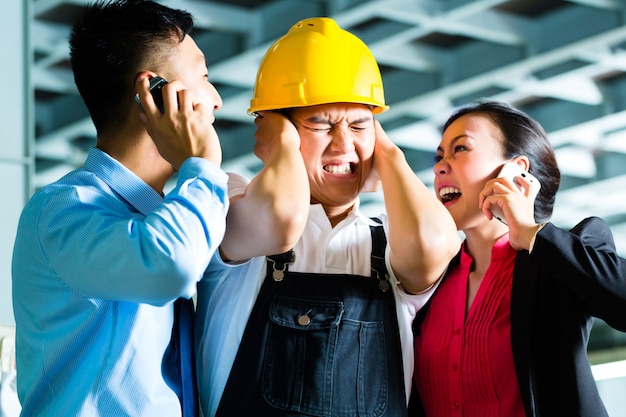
column 99, row 258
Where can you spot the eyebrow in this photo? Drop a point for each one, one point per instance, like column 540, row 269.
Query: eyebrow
column 453, row 141
column 326, row 120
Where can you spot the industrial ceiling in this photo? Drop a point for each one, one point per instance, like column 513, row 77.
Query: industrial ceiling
column 561, row 61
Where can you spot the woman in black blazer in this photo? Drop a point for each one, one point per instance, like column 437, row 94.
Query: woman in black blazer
column 505, row 333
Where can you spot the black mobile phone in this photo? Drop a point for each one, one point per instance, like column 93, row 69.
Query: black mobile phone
column 156, row 84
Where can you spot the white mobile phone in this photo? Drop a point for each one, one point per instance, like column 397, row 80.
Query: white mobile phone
column 511, row 170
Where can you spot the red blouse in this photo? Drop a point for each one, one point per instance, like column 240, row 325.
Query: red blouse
column 464, row 364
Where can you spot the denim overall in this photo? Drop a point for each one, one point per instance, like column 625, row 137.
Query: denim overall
column 320, row 345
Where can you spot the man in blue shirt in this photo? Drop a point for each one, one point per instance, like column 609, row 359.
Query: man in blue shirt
column 102, row 254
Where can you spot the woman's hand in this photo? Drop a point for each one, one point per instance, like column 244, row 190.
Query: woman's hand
column 515, row 197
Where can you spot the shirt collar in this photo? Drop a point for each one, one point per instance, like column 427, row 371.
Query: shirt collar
column 123, row 181
column 318, row 215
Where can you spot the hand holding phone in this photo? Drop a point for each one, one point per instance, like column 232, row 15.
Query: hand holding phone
column 156, row 84
column 511, row 170
column 187, row 132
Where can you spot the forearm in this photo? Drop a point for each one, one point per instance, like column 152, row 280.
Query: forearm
column 271, row 214
column 422, row 234
column 101, row 248
column 280, row 193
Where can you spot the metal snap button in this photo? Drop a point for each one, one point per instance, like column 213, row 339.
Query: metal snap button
column 304, row 320
column 278, row 275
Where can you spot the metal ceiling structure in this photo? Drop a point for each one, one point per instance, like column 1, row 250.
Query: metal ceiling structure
column 561, row 61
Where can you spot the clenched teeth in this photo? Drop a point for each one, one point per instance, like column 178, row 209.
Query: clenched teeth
column 339, row 169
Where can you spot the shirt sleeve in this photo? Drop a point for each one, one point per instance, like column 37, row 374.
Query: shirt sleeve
column 98, row 245
column 585, row 263
column 236, row 184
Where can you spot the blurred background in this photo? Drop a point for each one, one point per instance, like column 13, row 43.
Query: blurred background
column 561, row 61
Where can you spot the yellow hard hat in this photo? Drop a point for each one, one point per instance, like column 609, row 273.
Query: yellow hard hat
column 317, row 62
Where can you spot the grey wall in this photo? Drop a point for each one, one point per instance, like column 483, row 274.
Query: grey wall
column 15, row 165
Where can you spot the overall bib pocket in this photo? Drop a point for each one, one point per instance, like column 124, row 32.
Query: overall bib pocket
column 308, row 344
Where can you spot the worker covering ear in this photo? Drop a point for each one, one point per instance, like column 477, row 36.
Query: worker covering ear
column 317, row 62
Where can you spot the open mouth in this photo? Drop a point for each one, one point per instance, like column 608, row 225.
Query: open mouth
column 448, row 194
column 341, row 169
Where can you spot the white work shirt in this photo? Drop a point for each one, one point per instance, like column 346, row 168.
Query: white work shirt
column 228, row 292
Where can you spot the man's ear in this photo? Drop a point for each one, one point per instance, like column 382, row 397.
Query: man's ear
column 145, row 74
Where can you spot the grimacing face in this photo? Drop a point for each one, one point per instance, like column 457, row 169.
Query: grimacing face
column 337, row 145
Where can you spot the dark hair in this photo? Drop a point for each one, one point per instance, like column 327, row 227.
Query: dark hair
column 522, row 136
column 111, row 43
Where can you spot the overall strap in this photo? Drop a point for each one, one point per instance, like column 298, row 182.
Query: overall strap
column 378, row 265
column 278, row 264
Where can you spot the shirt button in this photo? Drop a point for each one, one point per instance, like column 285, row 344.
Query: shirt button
column 304, row 320
column 456, row 405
